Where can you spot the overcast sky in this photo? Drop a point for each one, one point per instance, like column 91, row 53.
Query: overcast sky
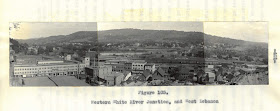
column 249, row 31
column 37, row 30
column 179, row 26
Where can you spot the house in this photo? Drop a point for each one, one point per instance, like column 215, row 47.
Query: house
column 114, row 79
column 198, row 72
column 186, row 72
column 150, row 67
column 68, row 57
column 148, row 75
column 160, row 74
column 220, row 78
column 211, row 75
column 206, row 75
column 127, row 75
column 202, row 77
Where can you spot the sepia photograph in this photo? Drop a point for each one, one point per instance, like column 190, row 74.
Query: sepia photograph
column 50, row 54
column 134, row 55
column 138, row 53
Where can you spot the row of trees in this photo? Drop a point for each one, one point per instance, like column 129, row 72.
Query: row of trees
column 17, row 47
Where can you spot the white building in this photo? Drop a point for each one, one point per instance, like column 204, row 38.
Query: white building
column 138, row 65
column 50, row 68
column 50, row 62
column 68, row 57
column 150, row 67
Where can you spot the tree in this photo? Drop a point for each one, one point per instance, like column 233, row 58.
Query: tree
column 49, row 48
column 81, row 53
column 41, row 50
column 174, row 72
column 32, row 52
column 17, row 47
column 219, row 56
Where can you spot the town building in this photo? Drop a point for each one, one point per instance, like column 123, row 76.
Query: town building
column 128, row 66
column 50, row 68
column 117, row 67
column 138, row 67
column 186, row 72
column 99, row 71
column 68, row 57
column 114, row 79
column 50, row 61
column 160, row 74
column 150, row 67
column 211, row 75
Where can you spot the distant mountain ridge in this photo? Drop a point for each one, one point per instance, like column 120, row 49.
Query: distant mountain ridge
column 138, row 35
column 81, row 36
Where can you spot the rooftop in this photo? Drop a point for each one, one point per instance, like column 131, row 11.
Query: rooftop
column 149, row 64
column 115, row 74
column 51, row 64
column 68, row 81
column 38, row 81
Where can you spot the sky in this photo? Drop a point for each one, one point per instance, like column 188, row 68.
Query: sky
column 249, row 31
column 37, row 30
column 179, row 26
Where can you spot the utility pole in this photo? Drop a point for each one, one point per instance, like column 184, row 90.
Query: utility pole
column 78, row 70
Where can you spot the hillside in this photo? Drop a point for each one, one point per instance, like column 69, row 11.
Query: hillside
column 81, row 36
column 121, row 35
column 137, row 35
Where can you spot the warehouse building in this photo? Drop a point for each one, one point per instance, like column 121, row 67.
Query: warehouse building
column 51, row 68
